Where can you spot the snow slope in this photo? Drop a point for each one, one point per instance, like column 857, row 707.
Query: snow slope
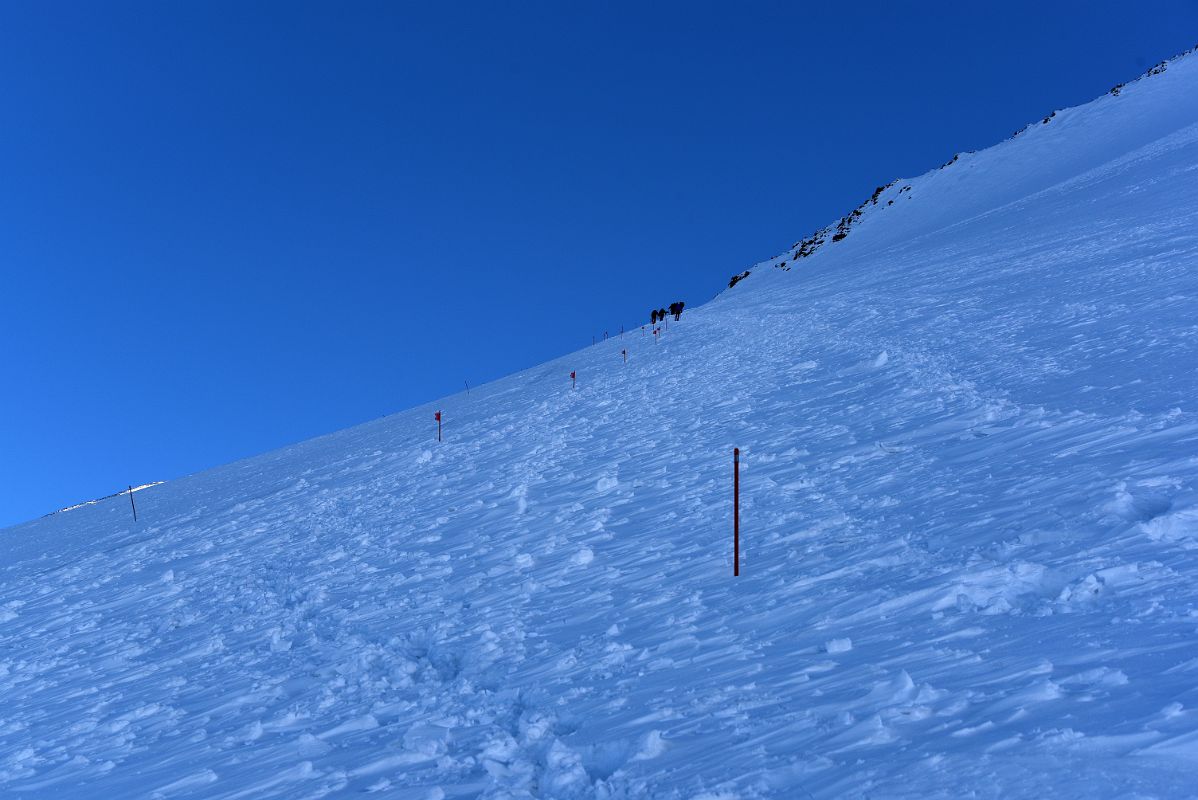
column 970, row 517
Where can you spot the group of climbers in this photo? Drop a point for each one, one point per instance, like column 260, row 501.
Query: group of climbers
column 659, row 314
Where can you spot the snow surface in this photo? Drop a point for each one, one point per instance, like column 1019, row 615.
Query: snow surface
column 969, row 515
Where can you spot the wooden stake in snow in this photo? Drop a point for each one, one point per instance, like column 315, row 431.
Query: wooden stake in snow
column 736, row 511
column 132, row 503
column 437, row 416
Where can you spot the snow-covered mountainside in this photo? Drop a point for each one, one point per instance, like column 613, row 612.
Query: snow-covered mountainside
column 969, row 516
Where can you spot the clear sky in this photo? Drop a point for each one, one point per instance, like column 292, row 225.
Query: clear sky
column 228, row 227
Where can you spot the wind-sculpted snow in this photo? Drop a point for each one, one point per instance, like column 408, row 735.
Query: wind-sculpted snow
column 969, row 510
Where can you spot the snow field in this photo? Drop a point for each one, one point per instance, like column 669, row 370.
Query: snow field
column 969, row 530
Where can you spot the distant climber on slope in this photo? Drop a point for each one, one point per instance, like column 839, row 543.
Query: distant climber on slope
column 653, row 317
column 676, row 309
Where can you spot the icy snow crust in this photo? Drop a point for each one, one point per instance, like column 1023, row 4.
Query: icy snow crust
column 970, row 516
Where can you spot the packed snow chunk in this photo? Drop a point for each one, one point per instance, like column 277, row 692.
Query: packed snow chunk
column 1006, row 589
column 652, row 745
column 607, row 483
column 882, row 359
column 1099, row 676
column 427, row 739
column 309, row 746
column 1179, row 526
column 280, row 642
column 838, row 645
column 1138, row 501
column 583, row 557
column 564, row 772
column 520, row 494
column 8, row 611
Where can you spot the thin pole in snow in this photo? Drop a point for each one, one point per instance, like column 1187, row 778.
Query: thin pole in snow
column 736, row 511
column 625, row 352
column 132, row 503
column 437, row 416
column 467, row 386
column 573, row 375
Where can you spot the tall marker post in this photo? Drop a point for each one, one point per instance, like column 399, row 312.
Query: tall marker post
column 736, row 511
column 573, row 376
column 437, row 416
column 625, row 352
column 132, row 503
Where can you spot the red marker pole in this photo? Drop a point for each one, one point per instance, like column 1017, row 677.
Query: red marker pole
column 736, row 511
column 573, row 376
column 625, row 352
column 437, row 416
column 655, row 332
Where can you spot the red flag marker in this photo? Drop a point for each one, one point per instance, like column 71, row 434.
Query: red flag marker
column 572, row 378
column 437, row 416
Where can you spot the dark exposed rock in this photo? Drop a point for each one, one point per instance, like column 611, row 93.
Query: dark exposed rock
column 738, row 278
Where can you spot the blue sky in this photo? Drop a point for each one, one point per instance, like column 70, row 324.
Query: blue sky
column 228, row 227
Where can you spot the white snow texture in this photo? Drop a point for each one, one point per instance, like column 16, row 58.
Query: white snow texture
column 969, row 523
